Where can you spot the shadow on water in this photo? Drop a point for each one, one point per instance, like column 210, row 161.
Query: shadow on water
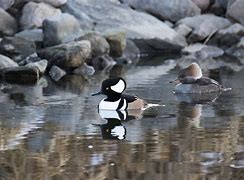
column 53, row 130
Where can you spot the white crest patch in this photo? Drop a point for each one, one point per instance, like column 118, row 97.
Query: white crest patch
column 119, row 87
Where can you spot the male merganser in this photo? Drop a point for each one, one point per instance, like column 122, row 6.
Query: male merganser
column 113, row 89
column 191, row 80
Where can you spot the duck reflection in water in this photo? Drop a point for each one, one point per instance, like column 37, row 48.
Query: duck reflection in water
column 190, row 107
column 114, row 129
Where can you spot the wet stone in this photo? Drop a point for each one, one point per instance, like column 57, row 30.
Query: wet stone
column 56, row 73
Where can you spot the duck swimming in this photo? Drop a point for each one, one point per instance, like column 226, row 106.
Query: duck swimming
column 113, row 88
column 190, row 80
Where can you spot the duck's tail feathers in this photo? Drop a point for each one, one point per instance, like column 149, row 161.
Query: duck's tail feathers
column 151, row 105
column 222, row 88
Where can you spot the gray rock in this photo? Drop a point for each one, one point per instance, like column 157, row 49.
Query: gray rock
column 99, row 44
column 20, row 74
column 228, row 37
column 191, row 49
column 55, row 3
column 30, row 59
column 33, row 14
column 120, row 18
column 40, row 65
column 17, row 48
column 237, row 50
column 209, row 52
column 117, row 43
column 8, row 25
column 5, row 4
column 103, row 63
column 6, row 62
column 156, row 46
column 59, row 29
column 235, row 10
column 168, row 23
column 172, row 10
column 202, row 51
column 222, row 3
column 183, row 29
column 204, row 25
column 84, row 70
column 34, row 35
column 67, row 56
column 131, row 52
column 202, row 4
column 56, row 73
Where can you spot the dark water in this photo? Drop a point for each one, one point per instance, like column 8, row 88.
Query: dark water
column 53, row 130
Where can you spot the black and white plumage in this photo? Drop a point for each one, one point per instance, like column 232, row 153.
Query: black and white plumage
column 113, row 89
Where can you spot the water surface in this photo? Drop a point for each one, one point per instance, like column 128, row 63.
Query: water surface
column 53, row 130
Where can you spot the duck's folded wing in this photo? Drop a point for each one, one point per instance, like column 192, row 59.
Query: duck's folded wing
column 206, row 81
column 129, row 98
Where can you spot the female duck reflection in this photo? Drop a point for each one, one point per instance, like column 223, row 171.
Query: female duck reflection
column 114, row 129
column 190, row 107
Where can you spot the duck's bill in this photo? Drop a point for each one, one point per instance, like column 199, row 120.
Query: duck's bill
column 175, row 81
column 95, row 94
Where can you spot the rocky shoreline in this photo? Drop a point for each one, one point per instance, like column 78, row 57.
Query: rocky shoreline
column 59, row 37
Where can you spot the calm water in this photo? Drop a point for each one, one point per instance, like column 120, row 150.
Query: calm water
column 53, row 130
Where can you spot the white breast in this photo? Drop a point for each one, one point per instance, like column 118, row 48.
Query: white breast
column 107, row 105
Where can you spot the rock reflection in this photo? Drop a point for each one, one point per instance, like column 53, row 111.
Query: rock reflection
column 25, row 94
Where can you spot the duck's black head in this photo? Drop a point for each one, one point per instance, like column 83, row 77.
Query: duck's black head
column 112, row 87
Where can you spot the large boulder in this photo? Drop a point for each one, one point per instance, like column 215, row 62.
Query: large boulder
column 99, row 44
column 6, row 62
column 105, row 16
column 67, row 56
column 202, row 4
column 17, row 48
column 235, row 10
column 204, row 26
column 117, row 42
column 225, row 38
column 156, row 46
column 172, row 10
column 55, row 3
column 5, row 4
column 131, row 52
column 8, row 25
column 202, row 51
column 34, row 35
column 59, row 29
column 237, row 50
column 33, row 14
column 40, row 65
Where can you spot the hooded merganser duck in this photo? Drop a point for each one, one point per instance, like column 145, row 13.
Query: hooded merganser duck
column 190, row 80
column 113, row 89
